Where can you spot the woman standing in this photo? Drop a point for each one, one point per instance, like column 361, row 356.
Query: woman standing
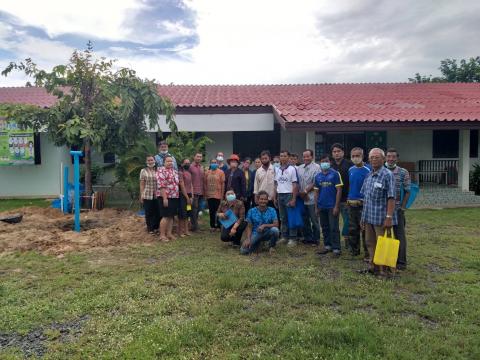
column 229, row 207
column 214, row 187
column 148, row 195
column 168, row 192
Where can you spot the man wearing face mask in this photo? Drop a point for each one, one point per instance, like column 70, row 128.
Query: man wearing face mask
column 163, row 153
column 328, row 192
column 357, row 174
column 220, row 161
column 402, row 181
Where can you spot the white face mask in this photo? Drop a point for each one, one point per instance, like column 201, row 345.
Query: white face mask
column 219, row 158
column 393, row 166
column 164, row 152
column 150, row 165
column 356, row 160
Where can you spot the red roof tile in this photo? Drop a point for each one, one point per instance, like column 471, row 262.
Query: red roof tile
column 316, row 102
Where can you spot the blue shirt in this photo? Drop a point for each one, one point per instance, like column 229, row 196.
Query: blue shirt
column 357, row 176
column 327, row 185
column 257, row 217
column 378, row 187
column 160, row 159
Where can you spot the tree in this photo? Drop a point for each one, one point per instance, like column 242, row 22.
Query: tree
column 464, row 71
column 181, row 144
column 98, row 106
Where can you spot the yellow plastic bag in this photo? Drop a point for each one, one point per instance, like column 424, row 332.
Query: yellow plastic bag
column 386, row 251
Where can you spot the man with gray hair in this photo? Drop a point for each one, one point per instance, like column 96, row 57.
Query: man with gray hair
column 378, row 212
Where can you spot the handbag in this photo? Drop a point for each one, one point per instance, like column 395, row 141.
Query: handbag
column 386, row 251
column 295, row 215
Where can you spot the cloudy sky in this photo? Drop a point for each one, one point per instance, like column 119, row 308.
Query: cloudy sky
column 245, row 41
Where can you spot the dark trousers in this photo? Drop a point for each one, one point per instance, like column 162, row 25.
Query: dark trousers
column 355, row 232
column 152, row 214
column 195, row 210
column 248, row 203
column 213, row 205
column 236, row 239
column 330, row 229
column 399, row 231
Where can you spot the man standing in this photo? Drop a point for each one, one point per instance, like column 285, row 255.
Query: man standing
column 356, row 174
column 262, row 226
column 234, row 178
column 328, row 192
column 378, row 212
column 249, row 178
column 196, row 169
column 286, row 190
column 265, row 178
column 342, row 165
column 220, row 161
column 163, row 153
column 402, row 181
column 306, row 181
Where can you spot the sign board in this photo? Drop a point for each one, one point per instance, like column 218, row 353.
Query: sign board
column 17, row 146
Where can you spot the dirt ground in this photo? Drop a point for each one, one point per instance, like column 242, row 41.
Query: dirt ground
column 49, row 231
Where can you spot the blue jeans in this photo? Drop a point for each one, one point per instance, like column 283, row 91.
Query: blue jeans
column 311, row 228
column 268, row 234
column 330, row 230
column 283, row 200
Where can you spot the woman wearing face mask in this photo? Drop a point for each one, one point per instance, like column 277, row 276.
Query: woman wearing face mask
column 228, row 207
column 214, row 187
column 148, row 195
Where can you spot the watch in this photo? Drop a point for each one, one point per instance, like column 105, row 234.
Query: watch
column 388, row 216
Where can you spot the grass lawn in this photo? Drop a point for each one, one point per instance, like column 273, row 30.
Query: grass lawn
column 199, row 299
column 10, row 204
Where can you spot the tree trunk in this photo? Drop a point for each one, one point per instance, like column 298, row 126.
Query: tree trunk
column 88, row 167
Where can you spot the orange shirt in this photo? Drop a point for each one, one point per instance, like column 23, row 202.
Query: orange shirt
column 214, row 184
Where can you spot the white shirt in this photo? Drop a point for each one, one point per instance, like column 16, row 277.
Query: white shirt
column 264, row 180
column 284, row 178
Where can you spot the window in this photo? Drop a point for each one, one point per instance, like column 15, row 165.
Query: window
column 474, row 143
column 445, row 144
column 324, row 141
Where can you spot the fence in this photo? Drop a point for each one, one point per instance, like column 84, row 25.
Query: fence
column 436, row 172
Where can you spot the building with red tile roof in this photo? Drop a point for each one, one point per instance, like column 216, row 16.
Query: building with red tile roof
column 433, row 126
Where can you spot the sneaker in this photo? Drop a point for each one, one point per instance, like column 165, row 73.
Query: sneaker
column 272, row 250
column 324, row 251
column 292, row 243
column 337, row 253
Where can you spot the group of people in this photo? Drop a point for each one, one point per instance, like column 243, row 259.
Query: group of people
column 280, row 200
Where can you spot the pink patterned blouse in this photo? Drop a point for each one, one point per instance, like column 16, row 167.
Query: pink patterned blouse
column 168, row 179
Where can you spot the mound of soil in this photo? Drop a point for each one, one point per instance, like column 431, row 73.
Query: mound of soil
column 51, row 232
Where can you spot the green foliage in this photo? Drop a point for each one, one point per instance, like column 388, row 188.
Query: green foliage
column 98, row 105
column 184, row 144
column 475, row 179
column 131, row 162
column 97, row 172
column 464, row 71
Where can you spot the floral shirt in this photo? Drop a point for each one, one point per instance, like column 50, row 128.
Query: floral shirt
column 168, row 179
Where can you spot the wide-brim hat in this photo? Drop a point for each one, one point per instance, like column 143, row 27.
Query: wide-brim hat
column 234, row 157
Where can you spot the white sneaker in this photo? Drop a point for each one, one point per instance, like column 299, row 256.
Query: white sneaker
column 292, row 243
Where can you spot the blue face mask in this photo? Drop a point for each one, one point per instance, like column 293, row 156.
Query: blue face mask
column 231, row 197
column 325, row 165
column 214, row 166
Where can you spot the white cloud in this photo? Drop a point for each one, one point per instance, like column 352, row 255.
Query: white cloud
column 102, row 19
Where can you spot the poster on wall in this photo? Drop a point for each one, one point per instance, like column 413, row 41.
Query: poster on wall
column 17, row 146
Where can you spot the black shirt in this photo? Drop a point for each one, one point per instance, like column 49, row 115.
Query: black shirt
column 235, row 181
column 343, row 168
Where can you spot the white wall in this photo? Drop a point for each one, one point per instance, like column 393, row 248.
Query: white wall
column 220, row 122
column 414, row 145
column 222, row 141
column 293, row 141
column 36, row 180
